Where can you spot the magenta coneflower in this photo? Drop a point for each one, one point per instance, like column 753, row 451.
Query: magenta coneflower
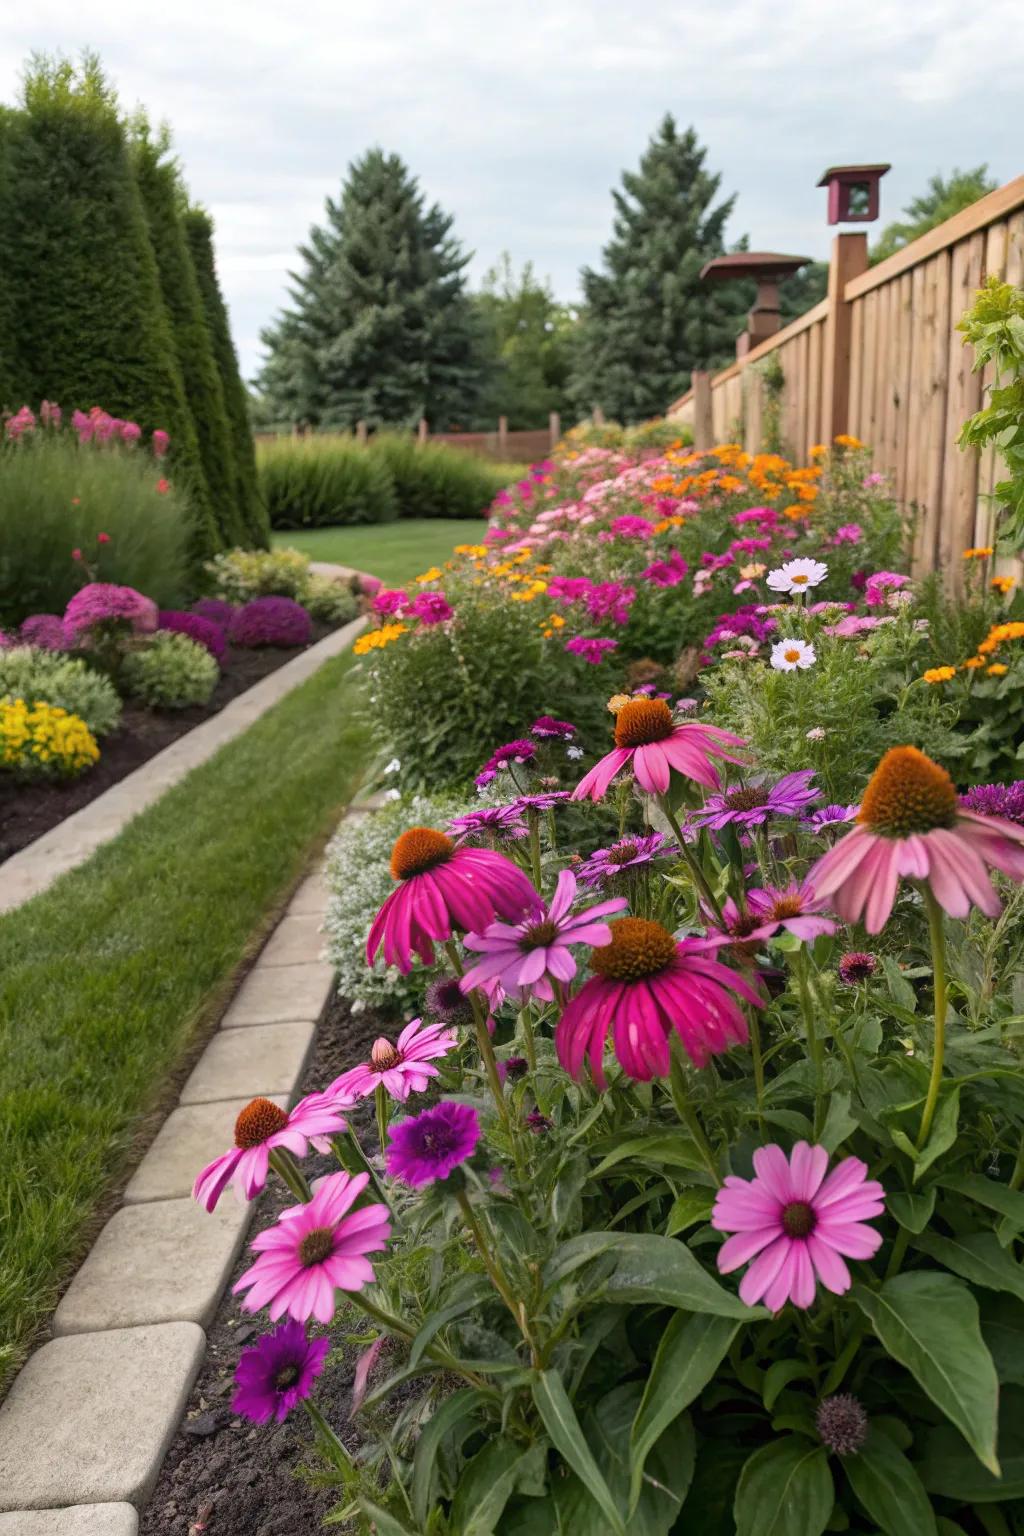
column 545, row 801
column 648, row 738
column 441, row 888
column 278, row 1373
column 856, row 966
column 496, row 820
column 629, row 853
column 797, row 908
column 524, row 960
column 646, row 986
column 796, row 1224
column 261, row 1127
column 751, row 805
column 911, row 825
column 428, row 1146
column 403, row 1068
column 546, row 728
column 832, row 816
column 314, row 1250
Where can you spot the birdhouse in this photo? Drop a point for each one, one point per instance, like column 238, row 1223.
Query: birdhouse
column 767, row 268
column 853, row 192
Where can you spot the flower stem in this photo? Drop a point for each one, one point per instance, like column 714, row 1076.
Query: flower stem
column 529, row 1041
column 533, row 818
column 688, row 1115
column 690, row 859
column 756, row 1057
column 938, row 943
column 380, row 1097
column 814, row 1047
column 286, row 1168
column 486, row 1049
column 335, row 1445
column 497, row 1279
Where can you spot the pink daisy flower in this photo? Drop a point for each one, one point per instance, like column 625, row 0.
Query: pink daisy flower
column 797, row 908
column 441, row 888
column 796, row 1225
column 912, row 825
column 524, row 960
column 648, row 737
column 646, row 986
column 403, row 1068
column 314, row 1250
column 261, row 1127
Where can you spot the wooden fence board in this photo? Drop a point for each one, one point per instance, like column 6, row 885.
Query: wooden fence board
column 960, row 475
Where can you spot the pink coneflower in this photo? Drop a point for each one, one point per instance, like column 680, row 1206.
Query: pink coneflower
column 401, row 1068
column 493, row 820
column 546, row 800
column 832, row 816
column 797, row 1225
column 797, row 908
column 911, row 825
column 751, row 805
column 629, row 853
column 646, row 986
column 314, row 1250
column 524, row 960
column 261, row 1127
column 441, row 888
column 430, row 1145
column 648, row 737
column 278, row 1373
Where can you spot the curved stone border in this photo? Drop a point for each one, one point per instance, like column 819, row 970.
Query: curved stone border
column 30, row 871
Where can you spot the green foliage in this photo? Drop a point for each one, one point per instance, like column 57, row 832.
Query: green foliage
column 994, row 327
column 433, row 480
column 529, row 335
column 328, row 601
column 380, row 327
column 309, row 482
column 199, row 233
column 57, row 495
column 943, row 197
column 239, row 575
column 170, row 671
column 51, row 677
column 649, row 320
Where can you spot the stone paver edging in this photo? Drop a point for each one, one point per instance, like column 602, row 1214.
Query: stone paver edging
column 86, row 1425
column 64, row 847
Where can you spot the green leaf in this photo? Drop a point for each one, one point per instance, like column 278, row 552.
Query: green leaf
column 691, row 1206
column 997, row 1197
column 473, row 1292
column 912, row 1211
column 839, row 1123
column 948, row 1468
column 929, row 1323
column 485, row 1486
column 384, row 1524
column 899, row 988
column 650, row 1268
column 942, row 1137
column 1002, row 1328
column 457, row 1409
column 978, row 1258
column 560, row 1421
column 889, row 1488
column 778, row 1377
column 669, row 1151
column 690, row 1351
column 785, row 1489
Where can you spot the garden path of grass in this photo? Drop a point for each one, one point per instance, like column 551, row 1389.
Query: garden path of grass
column 396, row 552
column 108, row 977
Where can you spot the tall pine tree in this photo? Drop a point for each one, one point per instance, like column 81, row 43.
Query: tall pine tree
column 527, row 334
column 253, row 513
column 380, row 327
column 649, row 320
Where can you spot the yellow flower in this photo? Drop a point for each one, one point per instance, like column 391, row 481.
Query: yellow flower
column 377, row 639
column 1002, row 584
column 431, row 575
column 973, row 662
column 554, row 620
column 845, row 440
column 43, row 737
column 981, row 553
column 819, row 450
column 542, row 570
column 997, row 669
column 618, row 701
column 752, row 572
column 476, row 550
column 938, row 674
column 525, row 596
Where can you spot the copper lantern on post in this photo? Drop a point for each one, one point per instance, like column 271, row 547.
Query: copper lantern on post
column 853, row 192
column 767, row 268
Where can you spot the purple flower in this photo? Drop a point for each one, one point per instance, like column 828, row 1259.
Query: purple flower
column 629, row 527
column 856, row 966
column 847, row 533
column 445, row 1001
column 431, row 608
column 428, row 1146
column 278, row 1373
column 45, row 630
column 592, row 650
column 501, row 820
column 832, row 816
column 216, row 610
column 545, row 728
column 568, row 589
column 523, row 959
column 521, row 751
column 794, row 907
column 276, row 621
column 1006, row 800
column 543, row 802
column 627, row 854
column 666, row 573
column 610, row 600
column 751, row 805
column 203, row 631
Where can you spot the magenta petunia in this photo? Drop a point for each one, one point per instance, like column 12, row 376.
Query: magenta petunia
column 648, row 739
column 277, row 1373
column 523, row 960
column 442, row 888
column 796, row 1225
column 430, row 1145
column 430, row 608
column 261, row 1127
column 314, row 1250
column 401, row 1068
column 592, row 649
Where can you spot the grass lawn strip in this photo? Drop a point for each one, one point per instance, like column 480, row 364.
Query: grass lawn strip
column 396, row 552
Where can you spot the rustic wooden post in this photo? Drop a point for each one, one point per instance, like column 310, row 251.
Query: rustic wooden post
column 421, row 435
column 361, row 432
column 703, row 420
column 503, row 437
column 554, row 430
column 598, row 416
column 849, row 260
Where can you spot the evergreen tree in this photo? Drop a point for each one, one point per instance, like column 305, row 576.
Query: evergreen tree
column 942, row 198
column 380, row 327
column 78, row 267
column 254, row 520
column 9, row 369
column 164, row 205
column 527, row 335
column 649, row 320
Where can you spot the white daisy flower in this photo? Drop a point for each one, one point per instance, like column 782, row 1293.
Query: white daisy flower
column 789, row 655
column 797, row 576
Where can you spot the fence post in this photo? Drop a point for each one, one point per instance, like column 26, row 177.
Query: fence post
column 597, row 416
column 503, row 437
column 421, row 435
column 361, row 432
column 849, row 260
column 554, row 430
column 703, row 424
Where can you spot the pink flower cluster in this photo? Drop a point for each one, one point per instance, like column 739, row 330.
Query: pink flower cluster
column 103, row 603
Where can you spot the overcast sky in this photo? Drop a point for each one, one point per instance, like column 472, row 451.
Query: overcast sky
column 519, row 117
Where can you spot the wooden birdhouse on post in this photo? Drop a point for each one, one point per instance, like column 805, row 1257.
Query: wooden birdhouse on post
column 767, row 268
column 853, row 192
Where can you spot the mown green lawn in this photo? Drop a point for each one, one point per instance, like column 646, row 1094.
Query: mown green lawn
column 396, row 552
column 106, row 978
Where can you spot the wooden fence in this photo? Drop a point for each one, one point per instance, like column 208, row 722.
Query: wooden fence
column 502, row 446
column 881, row 358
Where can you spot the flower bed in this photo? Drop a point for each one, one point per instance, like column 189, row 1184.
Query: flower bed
column 715, row 1207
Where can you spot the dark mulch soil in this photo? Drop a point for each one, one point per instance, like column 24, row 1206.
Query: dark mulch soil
column 29, row 810
column 224, row 1476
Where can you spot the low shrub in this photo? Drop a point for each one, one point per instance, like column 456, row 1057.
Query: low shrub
column 102, row 609
column 330, row 602
column 239, row 575
column 217, row 610
column 45, row 630
column 310, row 482
column 41, row 676
column 39, row 741
column 170, row 672
column 203, row 631
column 435, row 480
column 276, row 621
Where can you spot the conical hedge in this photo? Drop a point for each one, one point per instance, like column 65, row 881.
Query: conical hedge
column 199, row 232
